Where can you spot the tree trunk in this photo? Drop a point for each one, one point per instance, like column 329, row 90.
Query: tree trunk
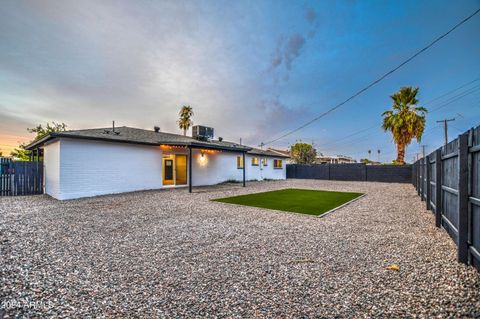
column 400, row 154
column 184, row 132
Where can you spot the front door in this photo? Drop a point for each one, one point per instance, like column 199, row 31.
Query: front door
column 168, row 171
column 180, row 169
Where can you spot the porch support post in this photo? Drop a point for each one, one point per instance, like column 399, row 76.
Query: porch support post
column 38, row 155
column 244, row 164
column 190, row 160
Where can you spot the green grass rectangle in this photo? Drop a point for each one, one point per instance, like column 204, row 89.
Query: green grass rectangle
column 305, row 201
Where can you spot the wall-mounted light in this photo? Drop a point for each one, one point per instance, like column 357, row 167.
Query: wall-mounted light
column 202, row 157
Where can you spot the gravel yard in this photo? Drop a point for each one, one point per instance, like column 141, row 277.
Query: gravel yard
column 170, row 254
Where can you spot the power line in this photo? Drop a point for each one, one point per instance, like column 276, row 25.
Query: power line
column 457, row 97
column 448, row 102
column 376, row 81
column 450, row 92
column 352, row 134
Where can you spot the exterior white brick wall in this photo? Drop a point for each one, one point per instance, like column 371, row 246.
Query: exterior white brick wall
column 215, row 168
column 77, row 168
column 51, row 168
column 90, row 168
column 262, row 172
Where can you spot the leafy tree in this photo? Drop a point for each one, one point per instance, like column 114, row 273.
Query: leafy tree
column 21, row 153
column 303, row 153
column 185, row 120
column 406, row 120
column 40, row 132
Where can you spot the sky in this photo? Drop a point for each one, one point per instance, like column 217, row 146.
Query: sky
column 251, row 69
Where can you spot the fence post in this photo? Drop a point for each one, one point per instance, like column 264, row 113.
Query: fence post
column 422, row 194
column 428, row 177
column 419, row 174
column 438, row 187
column 414, row 172
column 463, row 199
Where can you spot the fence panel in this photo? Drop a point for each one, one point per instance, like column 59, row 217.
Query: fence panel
column 20, row 178
column 420, row 178
column 453, row 177
column 389, row 173
column 432, row 174
column 352, row 172
column 474, row 198
column 450, row 182
column 347, row 172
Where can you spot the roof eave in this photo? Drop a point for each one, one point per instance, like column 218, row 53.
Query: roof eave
column 50, row 136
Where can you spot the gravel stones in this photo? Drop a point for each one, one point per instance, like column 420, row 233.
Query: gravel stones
column 169, row 253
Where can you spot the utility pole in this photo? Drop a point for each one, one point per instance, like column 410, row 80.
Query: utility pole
column 423, row 150
column 445, row 127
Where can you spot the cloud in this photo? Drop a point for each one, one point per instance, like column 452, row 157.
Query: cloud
column 277, row 117
column 292, row 50
column 287, row 51
column 310, row 15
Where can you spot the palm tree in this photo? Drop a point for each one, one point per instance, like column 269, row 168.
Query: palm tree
column 185, row 120
column 369, row 153
column 406, row 120
column 378, row 152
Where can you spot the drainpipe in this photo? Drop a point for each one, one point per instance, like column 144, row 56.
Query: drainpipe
column 190, row 160
column 244, row 169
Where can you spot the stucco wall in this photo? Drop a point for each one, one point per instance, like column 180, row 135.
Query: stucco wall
column 90, row 168
column 215, row 168
column 262, row 172
column 81, row 168
column 52, row 169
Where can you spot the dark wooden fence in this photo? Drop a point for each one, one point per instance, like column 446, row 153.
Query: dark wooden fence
column 352, row 172
column 20, row 178
column 448, row 180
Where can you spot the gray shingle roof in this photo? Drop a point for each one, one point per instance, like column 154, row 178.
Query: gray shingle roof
column 139, row 136
column 257, row 151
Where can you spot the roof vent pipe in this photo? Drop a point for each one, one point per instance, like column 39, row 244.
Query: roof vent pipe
column 220, row 138
column 156, row 129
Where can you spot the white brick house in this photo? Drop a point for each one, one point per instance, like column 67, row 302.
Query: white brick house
column 93, row 162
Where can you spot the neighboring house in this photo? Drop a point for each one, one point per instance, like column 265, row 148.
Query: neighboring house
column 92, row 162
column 335, row 159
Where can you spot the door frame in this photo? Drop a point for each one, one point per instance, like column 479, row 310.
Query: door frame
column 173, row 158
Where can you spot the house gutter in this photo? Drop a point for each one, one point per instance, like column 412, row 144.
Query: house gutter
column 91, row 138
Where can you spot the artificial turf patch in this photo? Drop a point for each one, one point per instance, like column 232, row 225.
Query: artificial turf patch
column 303, row 201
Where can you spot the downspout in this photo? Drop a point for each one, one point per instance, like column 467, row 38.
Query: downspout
column 190, row 160
column 244, row 169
